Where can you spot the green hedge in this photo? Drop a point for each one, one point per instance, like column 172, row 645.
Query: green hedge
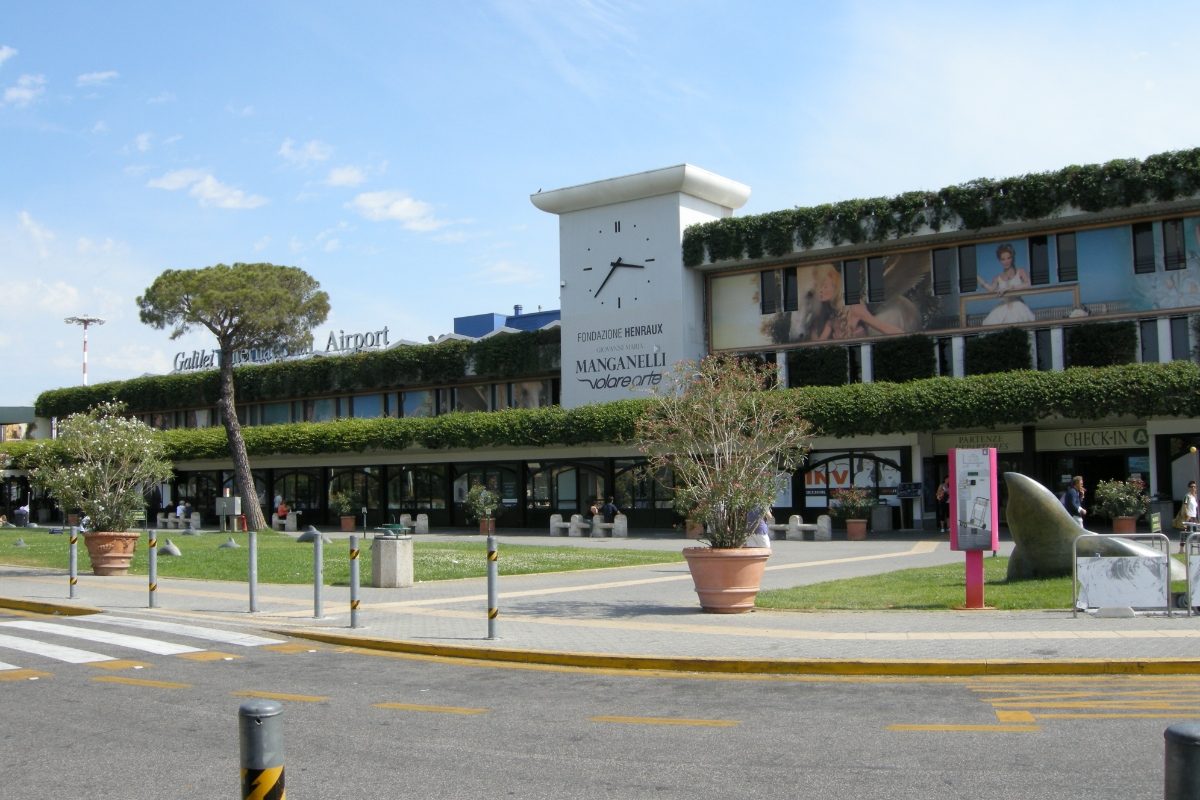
column 980, row 203
column 509, row 356
column 1101, row 344
column 997, row 352
column 1001, row 399
column 818, row 366
column 905, row 359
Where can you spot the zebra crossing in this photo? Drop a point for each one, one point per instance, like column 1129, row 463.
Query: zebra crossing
column 93, row 640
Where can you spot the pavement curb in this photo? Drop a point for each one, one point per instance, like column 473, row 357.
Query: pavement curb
column 783, row 666
column 38, row 607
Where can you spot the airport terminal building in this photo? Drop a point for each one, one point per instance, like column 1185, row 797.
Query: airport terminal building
column 1043, row 273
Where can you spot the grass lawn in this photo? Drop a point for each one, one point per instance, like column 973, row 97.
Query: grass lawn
column 282, row 560
column 928, row 588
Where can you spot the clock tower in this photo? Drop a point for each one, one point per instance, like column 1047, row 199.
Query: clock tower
column 630, row 309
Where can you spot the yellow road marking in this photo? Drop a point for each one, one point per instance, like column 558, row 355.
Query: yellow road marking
column 208, row 655
column 291, row 647
column 1108, row 704
column 22, row 675
column 1014, row 716
column 1117, row 716
column 431, row 709
column 297, row 698
column 699, row 723
column 119, row 664
column 966, row 728
column 141, row 682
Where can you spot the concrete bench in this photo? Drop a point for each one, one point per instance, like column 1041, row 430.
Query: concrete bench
column 796, row 530
column 420, row 525
column 289, row 523
column 574, row 527
column 618, row 528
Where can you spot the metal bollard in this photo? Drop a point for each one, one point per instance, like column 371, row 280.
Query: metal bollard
column 1181, row 762
column 260, row 737
column 153, row 553
column 73, row 564
column 253, row 571
column 318, row 574
column 354, row 581
column 493, row 571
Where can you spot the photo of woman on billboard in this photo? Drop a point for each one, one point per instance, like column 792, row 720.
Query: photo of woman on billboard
column 1011, row 309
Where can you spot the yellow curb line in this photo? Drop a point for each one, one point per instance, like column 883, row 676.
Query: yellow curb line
column 61, row 609
column 782, row 666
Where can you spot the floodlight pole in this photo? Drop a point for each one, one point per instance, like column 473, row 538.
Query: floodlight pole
column 85, row 321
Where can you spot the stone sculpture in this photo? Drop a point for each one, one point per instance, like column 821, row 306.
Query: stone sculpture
column 1044, row 535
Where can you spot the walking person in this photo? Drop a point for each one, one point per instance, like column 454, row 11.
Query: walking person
column 1189, row 513
column 1073, row 499
column 942, row 495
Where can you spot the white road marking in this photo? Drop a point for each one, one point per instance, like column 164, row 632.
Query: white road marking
column 196, row 632
column 54, row 651
column 154, row 646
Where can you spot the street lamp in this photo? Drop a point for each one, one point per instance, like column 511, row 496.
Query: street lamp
column 85, row 321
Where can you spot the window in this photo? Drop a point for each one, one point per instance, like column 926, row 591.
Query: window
column 1143, row 248
column 852, row 281
column 418, row 404
column 1068, row 259
column 875, row 285
column 943, row 271
column 854, row 355
column 1148, row 336
column 276, row 413
column 967, row 274
column 1181, row 344
column 320, row 410
column 1174, row 252
column 530, row 394
column 777, row 290
column 1039, row 260
column 945, row 357
column 474, row 398
column 367, row 406
column 1043, row 349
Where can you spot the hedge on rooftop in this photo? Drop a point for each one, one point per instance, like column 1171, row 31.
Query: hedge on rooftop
column 977, row 204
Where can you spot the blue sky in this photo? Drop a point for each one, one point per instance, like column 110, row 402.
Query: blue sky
column 389, row 148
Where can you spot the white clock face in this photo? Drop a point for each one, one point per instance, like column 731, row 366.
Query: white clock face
column 617, row 265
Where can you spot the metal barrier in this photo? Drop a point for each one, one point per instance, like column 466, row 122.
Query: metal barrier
column 1121, row 581
column 1192, row 564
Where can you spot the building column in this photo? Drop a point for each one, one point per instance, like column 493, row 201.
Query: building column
column 958, row 352
column 868, row 365
column 1056, row 349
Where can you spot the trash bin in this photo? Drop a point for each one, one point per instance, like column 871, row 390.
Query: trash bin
column 391, row 560
column 881, row 517
column 21, row 517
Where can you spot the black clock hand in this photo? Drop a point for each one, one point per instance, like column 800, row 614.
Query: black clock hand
column 612, row 268
column 620, row 263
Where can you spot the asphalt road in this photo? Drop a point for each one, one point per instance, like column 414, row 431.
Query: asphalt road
column 360, row 725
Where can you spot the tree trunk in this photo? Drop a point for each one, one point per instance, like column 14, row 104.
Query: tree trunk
column 237, row 447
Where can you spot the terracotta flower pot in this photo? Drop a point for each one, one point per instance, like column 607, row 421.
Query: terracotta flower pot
column 110, row 551
column 1124, row 524
column 348, row 523
column 487, row 526
column 727, row 580
column 856, row 529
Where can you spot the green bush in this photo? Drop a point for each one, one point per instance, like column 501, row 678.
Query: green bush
column 818, row 366
column 1100, row 344
column 1003, row 351
column 905, row 359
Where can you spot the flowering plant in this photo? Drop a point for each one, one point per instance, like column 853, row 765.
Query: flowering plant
column 481, row 502
column 343, row 503
column 1122, row 498
column 100, row 464
column 717, row 429
column 850, row 503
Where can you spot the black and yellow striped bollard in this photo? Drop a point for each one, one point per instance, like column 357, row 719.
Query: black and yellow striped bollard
column 354, row 580
column 493, row 573
column 260, row 735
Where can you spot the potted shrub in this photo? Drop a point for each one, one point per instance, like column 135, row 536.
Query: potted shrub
column 716, row 427
column 1122, row 502
column 851, row 506
column 100, row 464
column 344, row 505
column 481, row 505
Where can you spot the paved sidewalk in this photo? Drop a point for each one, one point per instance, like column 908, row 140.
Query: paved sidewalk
column 648, row 617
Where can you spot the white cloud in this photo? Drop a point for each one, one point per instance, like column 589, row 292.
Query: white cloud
column 87, row 247
column 307, row 153
column 262, row 244
column 41, row 236
column 345, row 176
column 142, row 141
column 412, row 214
column 100, row 127
column 96, row 78
column 27, row 89
column 162, row 97
column 331, row 245
column 207, row 190
column 506, row 272
column 244, row 111
column 6, row 53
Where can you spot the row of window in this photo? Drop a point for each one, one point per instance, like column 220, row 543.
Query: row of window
column 418, row 403
column 955, row 270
